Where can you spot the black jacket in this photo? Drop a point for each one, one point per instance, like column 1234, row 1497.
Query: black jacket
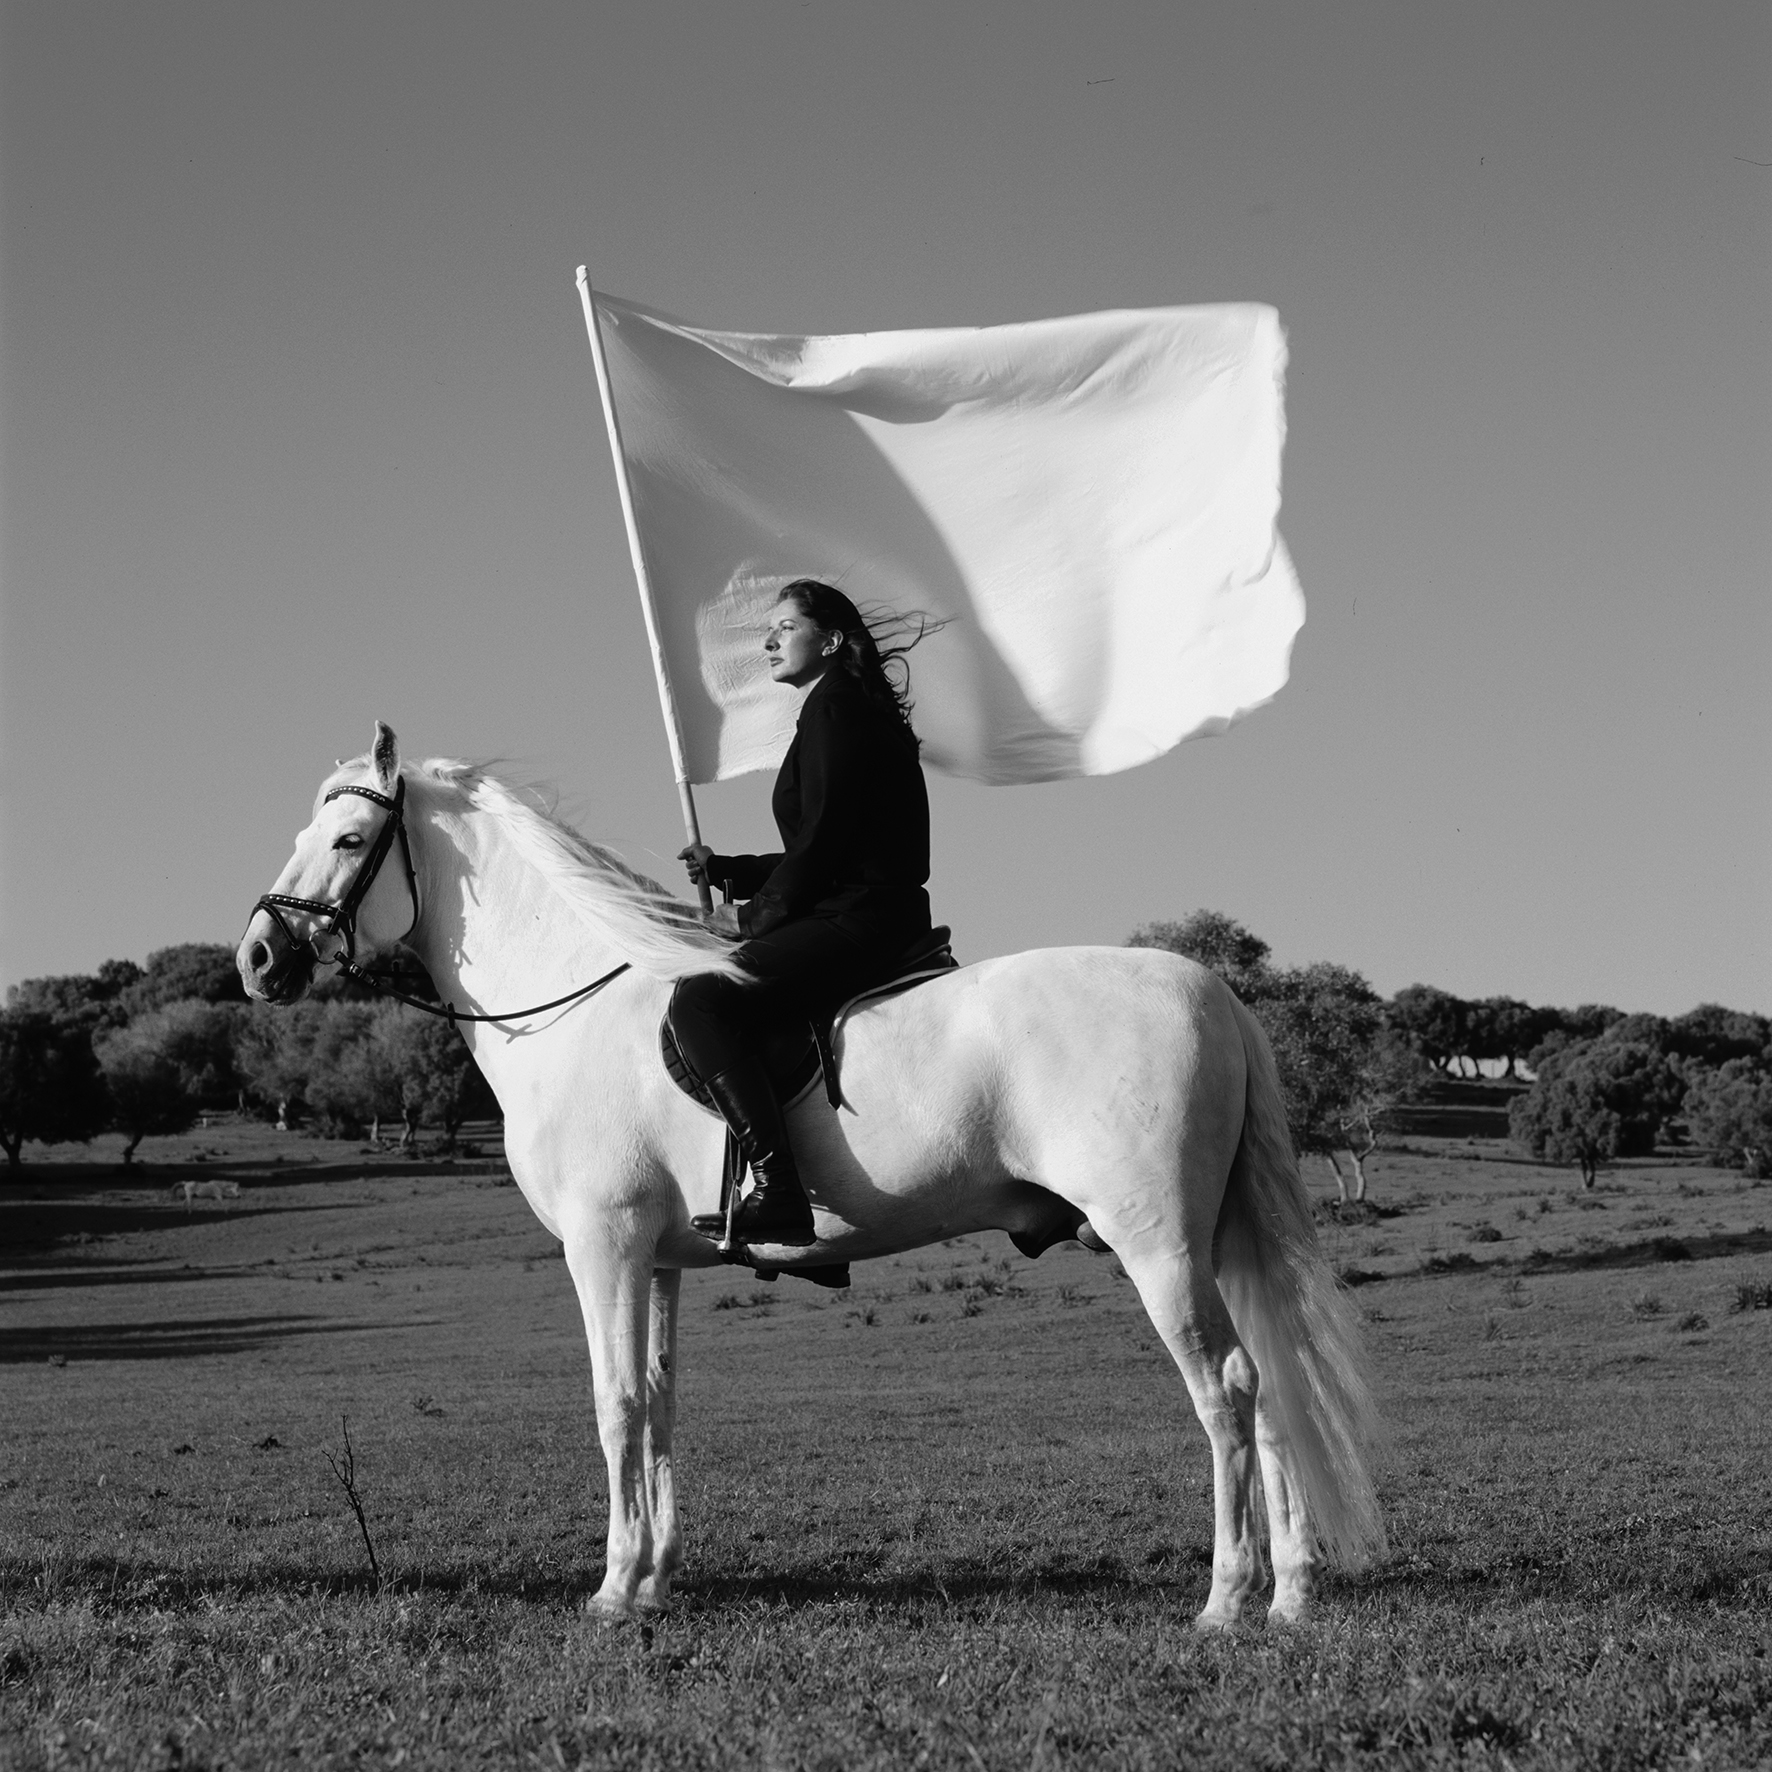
column 854, row 819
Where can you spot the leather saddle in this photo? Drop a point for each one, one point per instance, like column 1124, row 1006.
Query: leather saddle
column 796, row 1057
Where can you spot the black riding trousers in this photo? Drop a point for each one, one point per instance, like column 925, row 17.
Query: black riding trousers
column 797, row 972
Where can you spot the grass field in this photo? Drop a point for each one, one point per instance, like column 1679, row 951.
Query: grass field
column 958, row 1516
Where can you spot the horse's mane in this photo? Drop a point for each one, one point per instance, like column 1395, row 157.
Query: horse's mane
column 649, row 927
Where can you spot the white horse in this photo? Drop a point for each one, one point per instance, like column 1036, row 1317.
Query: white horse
column 1122, row 1092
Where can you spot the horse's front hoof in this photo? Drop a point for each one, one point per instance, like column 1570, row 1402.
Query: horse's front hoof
column 1219, row 1621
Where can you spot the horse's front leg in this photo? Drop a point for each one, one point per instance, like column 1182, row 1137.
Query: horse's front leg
column 661, row 1415
column 613, row 1275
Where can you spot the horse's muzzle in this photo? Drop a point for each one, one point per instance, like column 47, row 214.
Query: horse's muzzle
column 273, row 976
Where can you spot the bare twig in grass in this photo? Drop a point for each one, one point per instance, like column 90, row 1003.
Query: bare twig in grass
column 346, row 1473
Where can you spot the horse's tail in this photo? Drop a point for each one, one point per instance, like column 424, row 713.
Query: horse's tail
column 1298, row 1325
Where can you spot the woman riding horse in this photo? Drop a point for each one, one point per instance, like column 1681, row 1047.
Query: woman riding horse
column 827, row 916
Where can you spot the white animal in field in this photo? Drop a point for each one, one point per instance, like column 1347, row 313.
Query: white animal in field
column 205, row 1190
column 1121, row 1091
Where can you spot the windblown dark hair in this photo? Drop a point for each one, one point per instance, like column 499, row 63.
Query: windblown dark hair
column 874, row 647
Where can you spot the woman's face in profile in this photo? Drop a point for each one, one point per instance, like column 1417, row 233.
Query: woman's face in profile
column 795, row 648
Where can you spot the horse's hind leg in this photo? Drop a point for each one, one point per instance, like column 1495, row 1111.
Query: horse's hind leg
column 661, row 1414
column 1189, row 1312
column 1291, row 1540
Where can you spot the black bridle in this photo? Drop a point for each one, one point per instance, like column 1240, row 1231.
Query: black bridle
column 341, row 918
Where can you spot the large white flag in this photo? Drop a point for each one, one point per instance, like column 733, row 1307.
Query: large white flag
column 1089, row 504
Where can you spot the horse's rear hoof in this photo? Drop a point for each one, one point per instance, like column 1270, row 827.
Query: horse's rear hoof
column 612, row 1610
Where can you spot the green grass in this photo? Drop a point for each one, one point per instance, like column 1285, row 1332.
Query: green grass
column 959, row 1516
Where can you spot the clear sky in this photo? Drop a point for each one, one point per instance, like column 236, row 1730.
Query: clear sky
column 300, row 429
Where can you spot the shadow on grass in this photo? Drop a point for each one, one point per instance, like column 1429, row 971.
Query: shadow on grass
column 30, row 1345
column 37, row 1228
column 947, row 1583
column 1702, row 1583
column 48, row 1180
column 124, row 1582
column 1654, row 1252
column 1692, row 1578
column 96, row 1273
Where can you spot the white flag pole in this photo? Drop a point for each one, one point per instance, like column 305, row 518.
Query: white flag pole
column 667, row 701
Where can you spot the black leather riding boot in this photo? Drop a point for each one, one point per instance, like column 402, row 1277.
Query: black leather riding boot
column 777, row 1210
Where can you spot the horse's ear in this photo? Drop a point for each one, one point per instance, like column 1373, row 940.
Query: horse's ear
column 385, row 755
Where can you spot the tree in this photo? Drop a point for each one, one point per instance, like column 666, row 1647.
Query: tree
column 273, row 1051
column 1641, row 1029
column 1711, row 1035
column 1588, row 1021
column 1218, row 942
column 1593, row 1101
column 315, row 1056
column 1341, row 1067
column 197, row 971
column 93, row 1001
column 200, row 1038
column 437, row 1077
column 1430, row 1020
column 50, row 1089
column 1729, row 1109
column 344, row 1085
column 150, row 1095
column 1504, row 1028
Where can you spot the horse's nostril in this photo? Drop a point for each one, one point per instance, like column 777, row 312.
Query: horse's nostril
column 258, row 956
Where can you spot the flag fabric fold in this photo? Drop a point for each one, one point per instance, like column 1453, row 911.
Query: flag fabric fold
column 1089, row 505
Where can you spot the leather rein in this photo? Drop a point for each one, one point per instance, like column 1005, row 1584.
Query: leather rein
column 341, row 919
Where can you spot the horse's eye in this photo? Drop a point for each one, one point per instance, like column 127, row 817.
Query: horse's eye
column 350, row 840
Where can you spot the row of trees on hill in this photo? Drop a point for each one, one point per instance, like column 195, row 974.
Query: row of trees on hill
column 1453, row 1033
column 145, row 1050
column 1605, row 1084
